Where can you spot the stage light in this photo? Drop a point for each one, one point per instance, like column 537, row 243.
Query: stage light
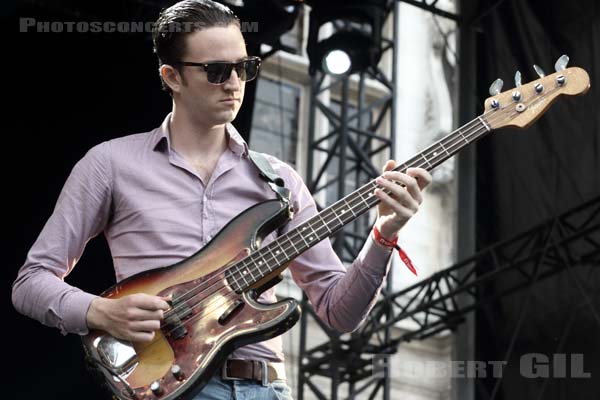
column 355, row 41
column 337, row 62
column 345, row 52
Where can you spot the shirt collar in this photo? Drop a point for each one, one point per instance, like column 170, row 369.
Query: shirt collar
column 236, row 143
column 161, row 134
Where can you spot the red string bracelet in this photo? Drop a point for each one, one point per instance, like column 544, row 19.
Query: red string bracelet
column 394, row 243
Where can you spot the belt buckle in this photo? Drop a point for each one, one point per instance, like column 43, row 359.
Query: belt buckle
column 265, row 377
column 226, row 377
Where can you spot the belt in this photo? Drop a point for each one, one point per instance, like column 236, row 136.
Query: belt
column 256, row 370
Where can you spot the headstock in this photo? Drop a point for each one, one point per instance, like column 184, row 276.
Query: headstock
column 521, row 106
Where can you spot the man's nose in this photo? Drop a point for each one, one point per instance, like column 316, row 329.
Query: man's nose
column 233, row 82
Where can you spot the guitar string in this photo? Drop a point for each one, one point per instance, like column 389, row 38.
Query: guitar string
column 429, row 151
column 218, row 303
column 297, row 233
column 468, row 132
column 243, row 264
column 229, row 296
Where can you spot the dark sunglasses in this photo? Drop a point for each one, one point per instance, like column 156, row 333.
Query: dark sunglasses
column 219, row 72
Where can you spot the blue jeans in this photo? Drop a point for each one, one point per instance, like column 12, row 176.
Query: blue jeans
column 218, row 389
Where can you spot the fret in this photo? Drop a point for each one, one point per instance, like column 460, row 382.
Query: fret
column 324, row 223
column 338, row 217
column 243, row 273
column 314, row 232
column 302, row 236
column 281, row 249
column 272, row 254
column 484, row 124
column 426, row 160
column 369, row 194
column 235, row 285
column 292, row 243
column 342, row 214
column 444, row 148
column 463, row 136
column 432, row 151
column 261, row 261
column 349, row 207
column 231, row 275
column 433, row 154
column 363, row 200
column 251, row 267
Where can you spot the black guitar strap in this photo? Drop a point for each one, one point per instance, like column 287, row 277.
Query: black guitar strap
column 270, row 176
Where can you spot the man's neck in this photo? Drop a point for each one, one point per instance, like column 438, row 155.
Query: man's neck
column 194, row 141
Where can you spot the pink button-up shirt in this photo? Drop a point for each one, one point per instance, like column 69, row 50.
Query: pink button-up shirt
column 155, row 210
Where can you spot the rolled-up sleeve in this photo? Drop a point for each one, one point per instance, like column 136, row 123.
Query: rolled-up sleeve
column 341, row 298
column 81, row 212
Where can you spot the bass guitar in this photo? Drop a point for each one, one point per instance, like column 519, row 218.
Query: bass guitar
column 214, row 307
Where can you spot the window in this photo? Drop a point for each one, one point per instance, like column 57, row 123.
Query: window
column 275, row 120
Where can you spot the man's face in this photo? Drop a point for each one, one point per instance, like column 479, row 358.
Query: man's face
column 209, row 104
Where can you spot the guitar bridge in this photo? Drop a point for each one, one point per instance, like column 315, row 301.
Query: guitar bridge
column 118, row 355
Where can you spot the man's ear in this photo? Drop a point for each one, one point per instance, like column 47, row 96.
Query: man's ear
column 171, row 77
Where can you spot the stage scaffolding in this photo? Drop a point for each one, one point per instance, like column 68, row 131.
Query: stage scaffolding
column 358, row 136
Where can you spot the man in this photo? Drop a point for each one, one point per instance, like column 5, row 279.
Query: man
column 162, row 195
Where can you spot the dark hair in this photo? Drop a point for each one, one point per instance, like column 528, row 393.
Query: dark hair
column 181, row 19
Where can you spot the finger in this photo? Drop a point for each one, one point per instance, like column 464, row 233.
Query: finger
column 149, row 302
column 398, row 208
column 421, row 175
column 144, row 326
column 140, row 314
column 141, row 336
column 389, row 165
column 400, row 193
column 168, row 298
column 404, row 183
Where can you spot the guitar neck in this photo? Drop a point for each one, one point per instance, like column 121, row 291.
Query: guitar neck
column 273, row 257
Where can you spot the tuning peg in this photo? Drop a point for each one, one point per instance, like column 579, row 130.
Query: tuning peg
column 496, row 87
column 516, row 95
column 517, row 78
column 539, row 71
column 561, row 63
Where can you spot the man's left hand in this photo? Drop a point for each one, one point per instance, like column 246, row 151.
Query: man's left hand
column 405, row 197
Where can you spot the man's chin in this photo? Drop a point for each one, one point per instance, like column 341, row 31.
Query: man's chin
column 226, row 117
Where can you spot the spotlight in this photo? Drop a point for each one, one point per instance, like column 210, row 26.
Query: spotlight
column 355, row 44
column 337, row 62
column 345, row 52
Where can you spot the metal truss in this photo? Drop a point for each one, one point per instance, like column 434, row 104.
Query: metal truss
column 558, row 244
column 340, row 161
column 432, row 7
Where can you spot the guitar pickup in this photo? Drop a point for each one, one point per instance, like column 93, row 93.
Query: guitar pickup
column 173, row 325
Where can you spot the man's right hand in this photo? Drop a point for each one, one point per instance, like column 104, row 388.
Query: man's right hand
column 134, row 317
